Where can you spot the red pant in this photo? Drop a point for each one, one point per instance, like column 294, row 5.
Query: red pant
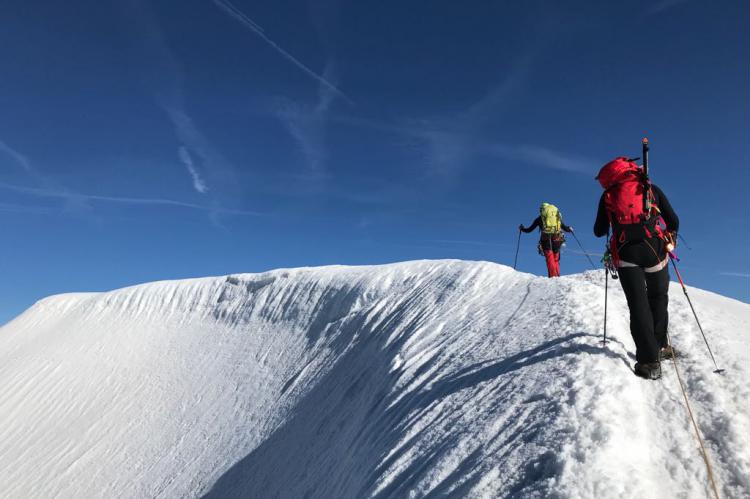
column 553, row 263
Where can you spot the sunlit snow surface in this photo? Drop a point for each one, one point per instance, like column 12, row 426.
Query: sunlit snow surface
column 430, row 378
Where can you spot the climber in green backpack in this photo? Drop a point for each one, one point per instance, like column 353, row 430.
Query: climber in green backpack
column 551, row 238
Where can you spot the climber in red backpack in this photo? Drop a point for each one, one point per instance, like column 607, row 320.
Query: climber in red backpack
column 644, row 231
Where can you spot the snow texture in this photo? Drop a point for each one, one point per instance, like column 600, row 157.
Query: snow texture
column 418, row 379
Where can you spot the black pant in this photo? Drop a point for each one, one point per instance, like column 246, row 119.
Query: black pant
column 551, row 242
column 647, row 295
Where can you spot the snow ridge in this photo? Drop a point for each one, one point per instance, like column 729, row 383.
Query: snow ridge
column 428, row 378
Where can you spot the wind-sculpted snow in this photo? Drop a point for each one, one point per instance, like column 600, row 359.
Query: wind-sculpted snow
column 421, row 379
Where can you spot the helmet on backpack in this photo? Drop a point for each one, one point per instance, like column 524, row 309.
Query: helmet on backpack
column 617, row 171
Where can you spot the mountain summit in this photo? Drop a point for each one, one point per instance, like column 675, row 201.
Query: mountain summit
column 427, row 378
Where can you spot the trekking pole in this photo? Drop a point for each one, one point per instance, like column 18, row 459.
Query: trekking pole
column 518, row 246
column 584, row 251
column 686, row 243
column 684, row 289
column 606, row 289
column 647, row 184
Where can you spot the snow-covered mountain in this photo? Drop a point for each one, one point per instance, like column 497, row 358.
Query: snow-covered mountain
column 430, row 378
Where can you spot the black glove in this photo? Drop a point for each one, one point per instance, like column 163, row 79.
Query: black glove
column 521, row 227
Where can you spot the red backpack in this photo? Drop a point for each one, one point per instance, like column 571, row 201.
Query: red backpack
column 624, row 185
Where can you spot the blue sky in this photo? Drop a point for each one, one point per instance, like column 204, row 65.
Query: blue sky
column 144, row 140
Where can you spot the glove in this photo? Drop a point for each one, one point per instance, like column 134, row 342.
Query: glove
column 570, row 229
column 671, row 241
column 521, row 227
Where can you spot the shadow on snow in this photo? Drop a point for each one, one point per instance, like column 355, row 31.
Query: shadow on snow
column 337, row 440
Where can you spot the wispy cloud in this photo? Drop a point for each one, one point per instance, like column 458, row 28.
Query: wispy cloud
column 209, row 172
column 463, row 242
column 17, row 157
column 196, row 153
column 495, row 101
column 543, row 157
column 50, row 193
column 448, row 149
column 450, row 142
column 187, row 160
column 324, row 15
column 75, row 201
column 735, row 274
column 664, row 5
column 20, row 208
column 307, row 124
column 240, row 16
column 72, row 202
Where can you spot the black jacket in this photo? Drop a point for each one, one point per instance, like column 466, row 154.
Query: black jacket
column 538, row 224
column 601, row 225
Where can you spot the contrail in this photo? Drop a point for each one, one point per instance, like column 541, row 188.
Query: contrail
column 237, row 13
column 18, row 208
column 25, row 163
column 233, row 11
column 734, row 274
column 49, row 193
column 17, row 157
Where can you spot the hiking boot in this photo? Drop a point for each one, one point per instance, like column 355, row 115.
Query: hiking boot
column 648, row 370
column 667, row 352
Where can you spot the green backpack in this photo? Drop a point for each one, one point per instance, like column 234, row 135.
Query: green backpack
column 551, row 219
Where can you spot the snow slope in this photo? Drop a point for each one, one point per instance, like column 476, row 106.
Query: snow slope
column 430, row 378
